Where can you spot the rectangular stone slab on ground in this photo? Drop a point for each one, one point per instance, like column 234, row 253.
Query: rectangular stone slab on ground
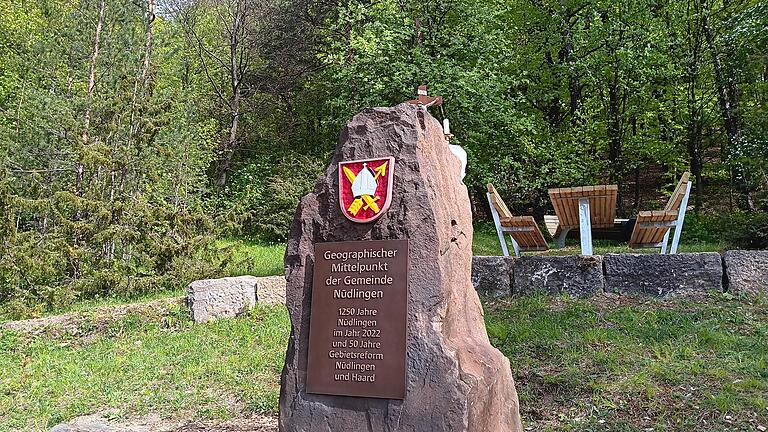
column 455, row 380
column 211, row 299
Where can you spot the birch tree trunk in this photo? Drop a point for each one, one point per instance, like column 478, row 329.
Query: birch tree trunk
column 89, row 102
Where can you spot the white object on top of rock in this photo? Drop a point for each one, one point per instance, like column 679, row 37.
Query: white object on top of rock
column 457, row 150
column 460, row 153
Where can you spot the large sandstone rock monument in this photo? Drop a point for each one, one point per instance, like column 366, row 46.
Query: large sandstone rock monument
column 387, row 330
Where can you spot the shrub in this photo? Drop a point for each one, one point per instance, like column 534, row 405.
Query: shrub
column 737, row 229
column 263, row 195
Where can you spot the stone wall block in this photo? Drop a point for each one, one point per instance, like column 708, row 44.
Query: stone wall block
column 662, row 275
column 579, row 276
column 492, row 275
column 747, row 271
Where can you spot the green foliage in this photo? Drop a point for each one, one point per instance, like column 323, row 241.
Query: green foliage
column 101, row 188
column 736, row 230
column 121, row 184
column 263, row 195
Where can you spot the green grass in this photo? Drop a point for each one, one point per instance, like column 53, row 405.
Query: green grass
column 486, row 242
column 251, row 257
column 139, row 364
column 679, row 365
column 580, row 365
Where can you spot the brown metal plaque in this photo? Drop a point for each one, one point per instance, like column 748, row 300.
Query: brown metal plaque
column 357, row 327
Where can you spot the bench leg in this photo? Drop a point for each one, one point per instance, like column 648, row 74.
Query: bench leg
column 585, row 226
column 515, row 246
column 497, row 222
column 560, row 241
column 664, row 242
column 680, row 220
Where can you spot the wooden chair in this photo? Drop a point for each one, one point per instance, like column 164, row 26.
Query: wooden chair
column 584, row 208
column 525, row 234
column 653, row 227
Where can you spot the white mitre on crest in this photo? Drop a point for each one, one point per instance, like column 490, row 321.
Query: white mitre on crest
column 365, row 183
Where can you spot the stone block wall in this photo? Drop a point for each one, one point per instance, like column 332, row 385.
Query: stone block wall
column 579, row 276
column 656, row 275
column 492, row 275
column 659, row 275
column 746, row 271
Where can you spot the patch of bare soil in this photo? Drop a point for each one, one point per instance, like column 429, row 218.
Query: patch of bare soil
column 156, row 423
column 270, row 291
column 84, row 323
column 251, row 424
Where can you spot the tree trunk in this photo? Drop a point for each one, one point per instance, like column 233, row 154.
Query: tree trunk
column 142, row 88
column 142, row 82
column 727, row 97
column 694, row 147
column 726, row 85
column 695, row 112
column 614, row 132
column 80, row 168
column 229, row 151
column 89, row 98
column 235, row 82
column 568, row 58
column 148, row 41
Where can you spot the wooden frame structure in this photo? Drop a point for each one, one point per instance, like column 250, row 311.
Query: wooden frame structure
column 523, row 230
column 583, row 208
column 652, row 228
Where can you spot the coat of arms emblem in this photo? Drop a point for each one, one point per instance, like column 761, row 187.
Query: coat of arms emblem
column 365, row 188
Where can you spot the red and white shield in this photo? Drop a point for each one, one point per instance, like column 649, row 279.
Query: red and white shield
column 365, row 188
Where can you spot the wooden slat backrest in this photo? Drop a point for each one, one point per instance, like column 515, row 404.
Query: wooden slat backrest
column 553, row 225
column 679, row 193
column 646, row 236
column 564, row 214
column 498, row 203
column 602, row 201
column 529, row 240
column 651, row 235
column 603, row 206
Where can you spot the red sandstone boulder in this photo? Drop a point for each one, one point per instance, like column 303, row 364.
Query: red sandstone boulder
column 456, row 381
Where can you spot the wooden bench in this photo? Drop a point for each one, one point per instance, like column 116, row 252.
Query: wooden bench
column 583, row 207
column 652, row 228
column 523, row 230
